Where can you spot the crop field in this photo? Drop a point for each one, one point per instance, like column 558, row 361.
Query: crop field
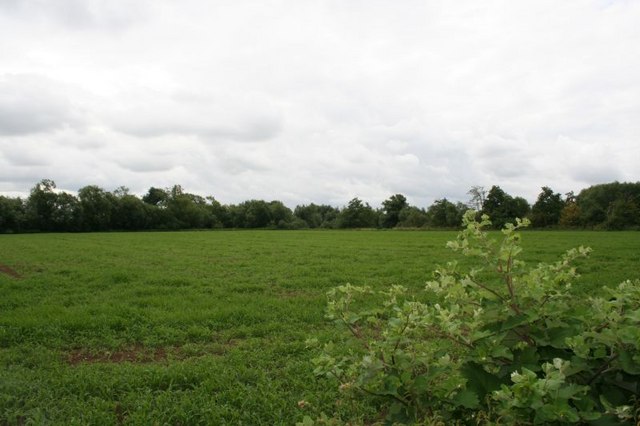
column 191, row 328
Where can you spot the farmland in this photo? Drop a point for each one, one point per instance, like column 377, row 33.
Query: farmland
column 208, row 327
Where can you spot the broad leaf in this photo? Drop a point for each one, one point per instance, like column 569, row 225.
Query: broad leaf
column 467, row 398
column 480, row 381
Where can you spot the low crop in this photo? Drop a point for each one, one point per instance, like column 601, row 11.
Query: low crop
column 495, row 342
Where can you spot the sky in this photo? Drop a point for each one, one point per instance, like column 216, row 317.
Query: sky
column 319, row 101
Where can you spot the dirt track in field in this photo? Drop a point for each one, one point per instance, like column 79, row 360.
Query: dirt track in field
column 135, row 354
column 9, row 271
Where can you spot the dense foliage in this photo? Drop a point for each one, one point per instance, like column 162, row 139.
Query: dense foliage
column 47, row 209
column 494, row 342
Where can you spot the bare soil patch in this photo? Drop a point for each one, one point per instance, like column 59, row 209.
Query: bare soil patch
column 9, row 271
column 139, row 354
column 135, row 354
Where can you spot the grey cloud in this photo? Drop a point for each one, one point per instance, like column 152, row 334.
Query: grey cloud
column 211, row 118
column 18, row 179
column 166, row 156
column 594, row 173
column 237, row 159
column 142, row 166
column 256, row 129
column 31, row 104
column 507, row 167
column 24, row 158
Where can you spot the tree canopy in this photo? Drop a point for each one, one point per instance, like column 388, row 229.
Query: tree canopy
column 47, row 209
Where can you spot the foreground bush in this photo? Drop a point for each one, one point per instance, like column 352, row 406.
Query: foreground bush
column 497, row 343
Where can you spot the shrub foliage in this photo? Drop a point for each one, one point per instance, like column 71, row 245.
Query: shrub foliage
column 500, row 342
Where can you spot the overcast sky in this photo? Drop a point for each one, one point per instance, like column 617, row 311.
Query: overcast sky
column 319, row 101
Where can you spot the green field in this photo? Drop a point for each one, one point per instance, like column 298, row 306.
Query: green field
column 208, row 327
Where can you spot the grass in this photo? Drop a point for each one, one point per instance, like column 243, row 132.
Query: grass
column 208, row 327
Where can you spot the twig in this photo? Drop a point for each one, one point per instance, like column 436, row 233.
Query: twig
column 603, row 368
column 396, row 397
column 487, row 288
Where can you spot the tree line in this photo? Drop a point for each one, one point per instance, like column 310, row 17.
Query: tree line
column 606, row 206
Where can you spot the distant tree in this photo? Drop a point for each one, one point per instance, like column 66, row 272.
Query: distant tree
column 281, row 215
column 258, row 214
column 547, row 209
column 251, row 214
column 156, row 196
column 120, row 191
column 570, row 215
column 519, row 208
column 175, row 191
column 503, row 208
column 41, row 205
column 391, row 209
column 478, row 197
column 236, row 215
column 12, row 214
column 187, row 210
column 329, row 215
column 496, row 206
column 219, row 214
column 358, row 215
column 309, row 214
column 131, row 213
column 67, row 214
column 97, row 206
column 598, row 202
column 610, row 206
column 412, row 217
column 317, row 216
column 622, row 213
column 445, row 214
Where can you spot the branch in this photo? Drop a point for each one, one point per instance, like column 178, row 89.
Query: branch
column 508, row 279
column 355, row 331
column 602, row 368
column 452, row 338
column 404, row 328
column 396, row 397
column 490, row 290
column 525, row 337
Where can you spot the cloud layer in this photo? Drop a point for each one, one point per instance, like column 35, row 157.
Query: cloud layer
column 320, row 101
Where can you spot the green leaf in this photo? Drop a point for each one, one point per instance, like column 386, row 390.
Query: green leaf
column 421, row 384
column 480, row 381
column 502, row 352
column 467, row 398
column 612, row 396
column 606, row 420
column 306, row 421
column 548, row 353
column 391, row 384
column 514, row 321
column 628, row 364
column 571, row 390
column 634, row 315
column 558, row 335
column 629, row 335
column 590, row 415
column 398, row 414
column 525, row 358
column 632, row 385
